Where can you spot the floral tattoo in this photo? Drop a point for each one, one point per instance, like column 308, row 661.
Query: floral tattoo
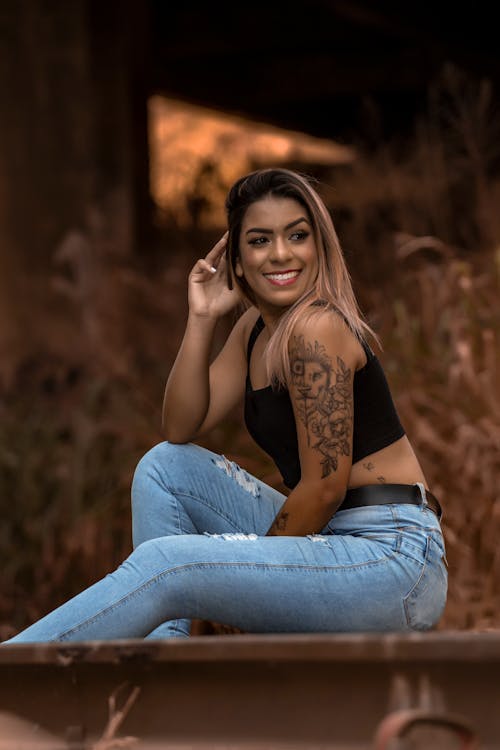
column 325, row 401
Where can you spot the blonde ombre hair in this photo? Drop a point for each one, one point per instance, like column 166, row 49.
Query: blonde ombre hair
column 332, row 288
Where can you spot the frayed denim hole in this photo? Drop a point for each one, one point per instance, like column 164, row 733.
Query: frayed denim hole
column 233, row 537
column 318, row 538
column 241, row 477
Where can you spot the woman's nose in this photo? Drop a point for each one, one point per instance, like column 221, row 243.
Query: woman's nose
column 280, row 250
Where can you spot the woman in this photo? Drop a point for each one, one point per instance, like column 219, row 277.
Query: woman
column 357, row 544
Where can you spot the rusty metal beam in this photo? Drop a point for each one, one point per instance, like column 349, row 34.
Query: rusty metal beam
column 303, row 691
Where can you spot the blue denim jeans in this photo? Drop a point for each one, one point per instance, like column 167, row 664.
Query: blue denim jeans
column 199, row 526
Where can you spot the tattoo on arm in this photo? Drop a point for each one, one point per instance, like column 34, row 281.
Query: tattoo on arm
column 325, row 403
column 279, row 523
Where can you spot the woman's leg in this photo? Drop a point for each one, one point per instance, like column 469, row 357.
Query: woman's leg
column 318, row 583
column 186, row 489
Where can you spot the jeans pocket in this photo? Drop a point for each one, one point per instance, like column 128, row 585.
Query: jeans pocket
column 426, row 600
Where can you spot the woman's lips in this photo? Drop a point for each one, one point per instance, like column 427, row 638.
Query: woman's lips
column 282, row 278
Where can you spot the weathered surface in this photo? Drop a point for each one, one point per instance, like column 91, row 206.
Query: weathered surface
column 254, row 691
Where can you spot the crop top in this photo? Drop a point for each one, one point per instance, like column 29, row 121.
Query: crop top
column 270, row 420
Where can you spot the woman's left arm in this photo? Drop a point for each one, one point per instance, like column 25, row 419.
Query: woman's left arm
column 324, row 355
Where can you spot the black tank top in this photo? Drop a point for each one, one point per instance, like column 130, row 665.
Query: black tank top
column 270, row 419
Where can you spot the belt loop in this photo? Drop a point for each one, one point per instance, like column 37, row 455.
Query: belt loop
column 422, row 493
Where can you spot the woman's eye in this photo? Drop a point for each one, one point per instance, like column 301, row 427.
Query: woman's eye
column 299, row 236
column 257, row 241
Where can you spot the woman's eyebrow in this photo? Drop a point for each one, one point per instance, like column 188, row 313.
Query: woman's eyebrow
column 270, row 231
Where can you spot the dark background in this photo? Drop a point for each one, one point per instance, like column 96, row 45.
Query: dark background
column 333, row 68
column 93, row 285
column 76, row 79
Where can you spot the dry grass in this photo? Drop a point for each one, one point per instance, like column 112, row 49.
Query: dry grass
column 443, row 360
column 423, row 241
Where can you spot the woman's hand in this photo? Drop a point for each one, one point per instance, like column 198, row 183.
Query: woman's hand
column 208, row 293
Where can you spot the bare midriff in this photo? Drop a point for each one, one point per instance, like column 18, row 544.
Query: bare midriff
column 395, row 464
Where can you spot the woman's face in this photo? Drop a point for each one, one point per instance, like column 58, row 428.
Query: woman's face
column 277, row 253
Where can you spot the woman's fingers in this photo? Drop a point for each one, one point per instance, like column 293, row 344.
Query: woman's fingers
column 214, row 261
column 217, row 251
column 202, row 266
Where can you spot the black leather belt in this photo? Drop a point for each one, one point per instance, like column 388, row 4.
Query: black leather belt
column 382, row 494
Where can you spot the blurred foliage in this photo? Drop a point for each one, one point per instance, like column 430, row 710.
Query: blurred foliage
column 421, row 232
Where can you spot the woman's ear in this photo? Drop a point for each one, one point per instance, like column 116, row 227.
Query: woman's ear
column 238, row 269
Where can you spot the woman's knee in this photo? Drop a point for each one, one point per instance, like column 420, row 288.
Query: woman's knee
column 160, row 452
column 164, row 466
column 160, row 554
column 161, row 459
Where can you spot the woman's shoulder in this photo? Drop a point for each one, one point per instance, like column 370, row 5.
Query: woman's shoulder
column 321, row 318
column 249, row 318
column 323, row 324
column 245, row 323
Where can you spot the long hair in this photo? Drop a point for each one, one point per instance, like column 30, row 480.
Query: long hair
column 332, row 288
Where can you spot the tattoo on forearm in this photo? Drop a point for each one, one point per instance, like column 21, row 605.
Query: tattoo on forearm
column 325, row 404
column 280, row 522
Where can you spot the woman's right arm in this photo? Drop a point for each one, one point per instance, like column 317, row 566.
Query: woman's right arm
column 198, row 395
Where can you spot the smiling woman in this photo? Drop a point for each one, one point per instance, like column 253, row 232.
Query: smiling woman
column 279, row 260
column 214, row 543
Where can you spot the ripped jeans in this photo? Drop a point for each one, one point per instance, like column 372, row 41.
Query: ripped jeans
column 199, row 526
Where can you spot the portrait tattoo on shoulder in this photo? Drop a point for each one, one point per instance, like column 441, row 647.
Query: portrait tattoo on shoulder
column 325, row 403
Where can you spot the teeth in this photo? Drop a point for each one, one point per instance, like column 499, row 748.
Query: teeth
column 282, row 276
